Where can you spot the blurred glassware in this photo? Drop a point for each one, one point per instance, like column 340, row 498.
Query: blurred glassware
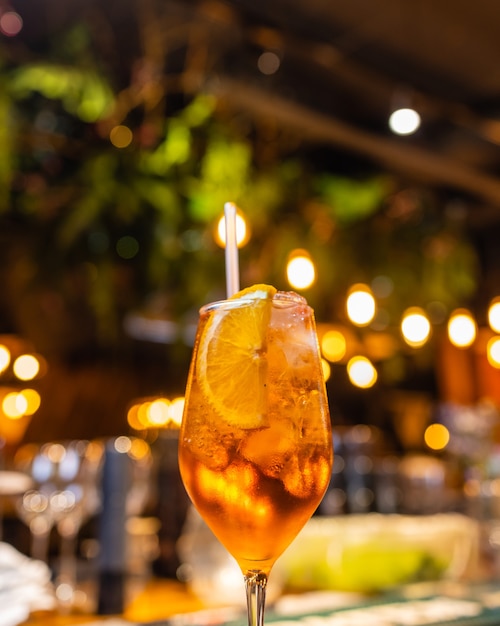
column 141, row 488
column 425, row 486
column 65, row 494
column 33, row 506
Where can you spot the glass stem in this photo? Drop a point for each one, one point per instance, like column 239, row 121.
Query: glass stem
column 255, row 586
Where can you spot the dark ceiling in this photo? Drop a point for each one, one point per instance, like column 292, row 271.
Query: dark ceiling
column 346, row 63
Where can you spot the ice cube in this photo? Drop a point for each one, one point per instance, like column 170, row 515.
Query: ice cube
column 305, row 477
column 271, row 448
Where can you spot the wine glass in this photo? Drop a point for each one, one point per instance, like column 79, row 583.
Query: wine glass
column 64, row 494
column 33, row 506
column 78, row 467
column 255, row 446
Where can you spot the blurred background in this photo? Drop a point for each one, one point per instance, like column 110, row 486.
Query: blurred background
column 126, row 127
column 360, row 142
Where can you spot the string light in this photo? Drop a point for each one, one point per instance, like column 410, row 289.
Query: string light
column 404, row 121
column 300, row 270
column 333, row 345
column 327, row 370
column 436, row 436
column 242, row 231
column 415, row 327
column 154, row 413
column 462, row 328
column 493, row 352
column 494, row 315
column 26, row 367
column 4, row 357
column 360, row 304
column 361, row 372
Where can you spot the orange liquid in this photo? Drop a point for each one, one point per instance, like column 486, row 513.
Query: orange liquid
column 257, row 488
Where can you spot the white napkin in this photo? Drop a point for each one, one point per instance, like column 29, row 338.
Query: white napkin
column 24, row 586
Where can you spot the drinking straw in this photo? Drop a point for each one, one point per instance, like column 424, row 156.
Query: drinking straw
column 232, row 270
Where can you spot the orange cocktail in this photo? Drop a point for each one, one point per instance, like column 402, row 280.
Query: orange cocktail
column 255, row 448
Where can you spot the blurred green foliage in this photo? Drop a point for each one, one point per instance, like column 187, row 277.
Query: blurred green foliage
column 67, row 196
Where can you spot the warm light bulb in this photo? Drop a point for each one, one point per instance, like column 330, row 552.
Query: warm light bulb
column 26, row 367
column 14, row 405
column 158, row 412
column 361, row 372
column 133, row 417
column 33, row 400
column 300, row 271
column 242, row 231
column 493, row 352
column 462, row 329
column 327, row 370
column 360, row 305
column 415, row 327
column 123, row 444
column 176, row 410
column 436, row 436
column 4, row 357
column 494, row 315
column 404, row 121
column 333, row 345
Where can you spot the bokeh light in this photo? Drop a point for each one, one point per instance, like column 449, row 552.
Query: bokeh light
column 176, row 410
column 360, row 305
column 11, row 23
column 268, row 63
column 300, row 270
column 157, row 412
column 436, row 436
column 327, row 370
column 462, row 328
column 154, row 413
column 33, row 400
column 121, row 136
column 26, row 367
column 14, row 405
column 122, row 444
column 361, row 372
column 4, row 358
column 242, row 231
column 494, row 315
column 333, row 345
column 404, row 121
column 493, row 352
column 415, row 327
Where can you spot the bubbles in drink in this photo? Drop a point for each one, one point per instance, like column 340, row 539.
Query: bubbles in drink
column 212, row 441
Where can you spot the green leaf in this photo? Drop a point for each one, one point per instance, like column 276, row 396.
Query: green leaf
column 82, row 92
column 352, row 200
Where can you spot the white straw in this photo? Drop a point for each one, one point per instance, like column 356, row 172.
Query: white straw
column 232, row 269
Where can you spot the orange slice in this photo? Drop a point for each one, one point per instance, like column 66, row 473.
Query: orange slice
column 231, row 362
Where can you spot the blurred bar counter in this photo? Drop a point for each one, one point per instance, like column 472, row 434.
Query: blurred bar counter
column 168, row 603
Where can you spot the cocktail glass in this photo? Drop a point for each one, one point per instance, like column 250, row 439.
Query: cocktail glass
column 255, row 446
